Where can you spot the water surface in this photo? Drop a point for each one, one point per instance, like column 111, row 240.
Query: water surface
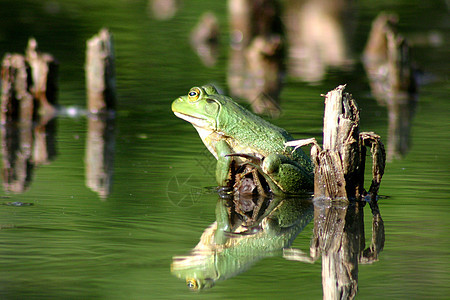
column 73, row 243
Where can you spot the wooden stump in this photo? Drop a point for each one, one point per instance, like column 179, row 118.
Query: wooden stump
column 338, row 179
column 100, row 73
column 339, row 167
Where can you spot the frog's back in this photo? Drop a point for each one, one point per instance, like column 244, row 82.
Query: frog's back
column 246, row 130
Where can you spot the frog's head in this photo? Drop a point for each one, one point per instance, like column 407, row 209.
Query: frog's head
column 200, row 107
column 195, row 284
column 198, row 269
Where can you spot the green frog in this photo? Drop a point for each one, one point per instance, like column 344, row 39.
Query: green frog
column 234, row 134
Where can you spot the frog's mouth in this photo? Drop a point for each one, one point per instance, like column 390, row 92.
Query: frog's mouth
column 196, row 121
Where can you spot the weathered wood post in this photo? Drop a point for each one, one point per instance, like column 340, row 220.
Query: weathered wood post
column 339, row 166
column 100, row 73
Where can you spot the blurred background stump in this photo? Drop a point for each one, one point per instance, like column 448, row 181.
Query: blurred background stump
column 163, row 9
column 393, row 80
column 204, row 39
column 319, row 35
column 256, row 65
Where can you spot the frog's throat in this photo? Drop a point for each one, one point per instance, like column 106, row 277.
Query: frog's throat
column 197, row 122
column 209, row 138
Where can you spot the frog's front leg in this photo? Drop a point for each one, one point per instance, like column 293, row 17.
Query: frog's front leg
column 223, row 163
column 288, row 175
column 223, row 222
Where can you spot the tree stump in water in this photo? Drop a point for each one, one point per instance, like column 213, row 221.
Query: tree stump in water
column 100, row 74
column 339, row 175
column 339, row 166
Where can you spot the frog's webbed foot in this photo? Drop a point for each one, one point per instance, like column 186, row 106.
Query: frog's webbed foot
column 248, row 231
column 224, row 191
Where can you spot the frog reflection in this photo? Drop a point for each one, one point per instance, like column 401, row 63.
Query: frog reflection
column 242, row 234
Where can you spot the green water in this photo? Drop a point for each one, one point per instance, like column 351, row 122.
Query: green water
column 72, row 244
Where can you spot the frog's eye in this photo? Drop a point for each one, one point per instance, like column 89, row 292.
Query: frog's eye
column 193, row 94
column 192, row 284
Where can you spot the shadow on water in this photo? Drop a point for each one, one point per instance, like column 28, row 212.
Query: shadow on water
column 339, row 237
column 99, row 154
column 26, row 146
